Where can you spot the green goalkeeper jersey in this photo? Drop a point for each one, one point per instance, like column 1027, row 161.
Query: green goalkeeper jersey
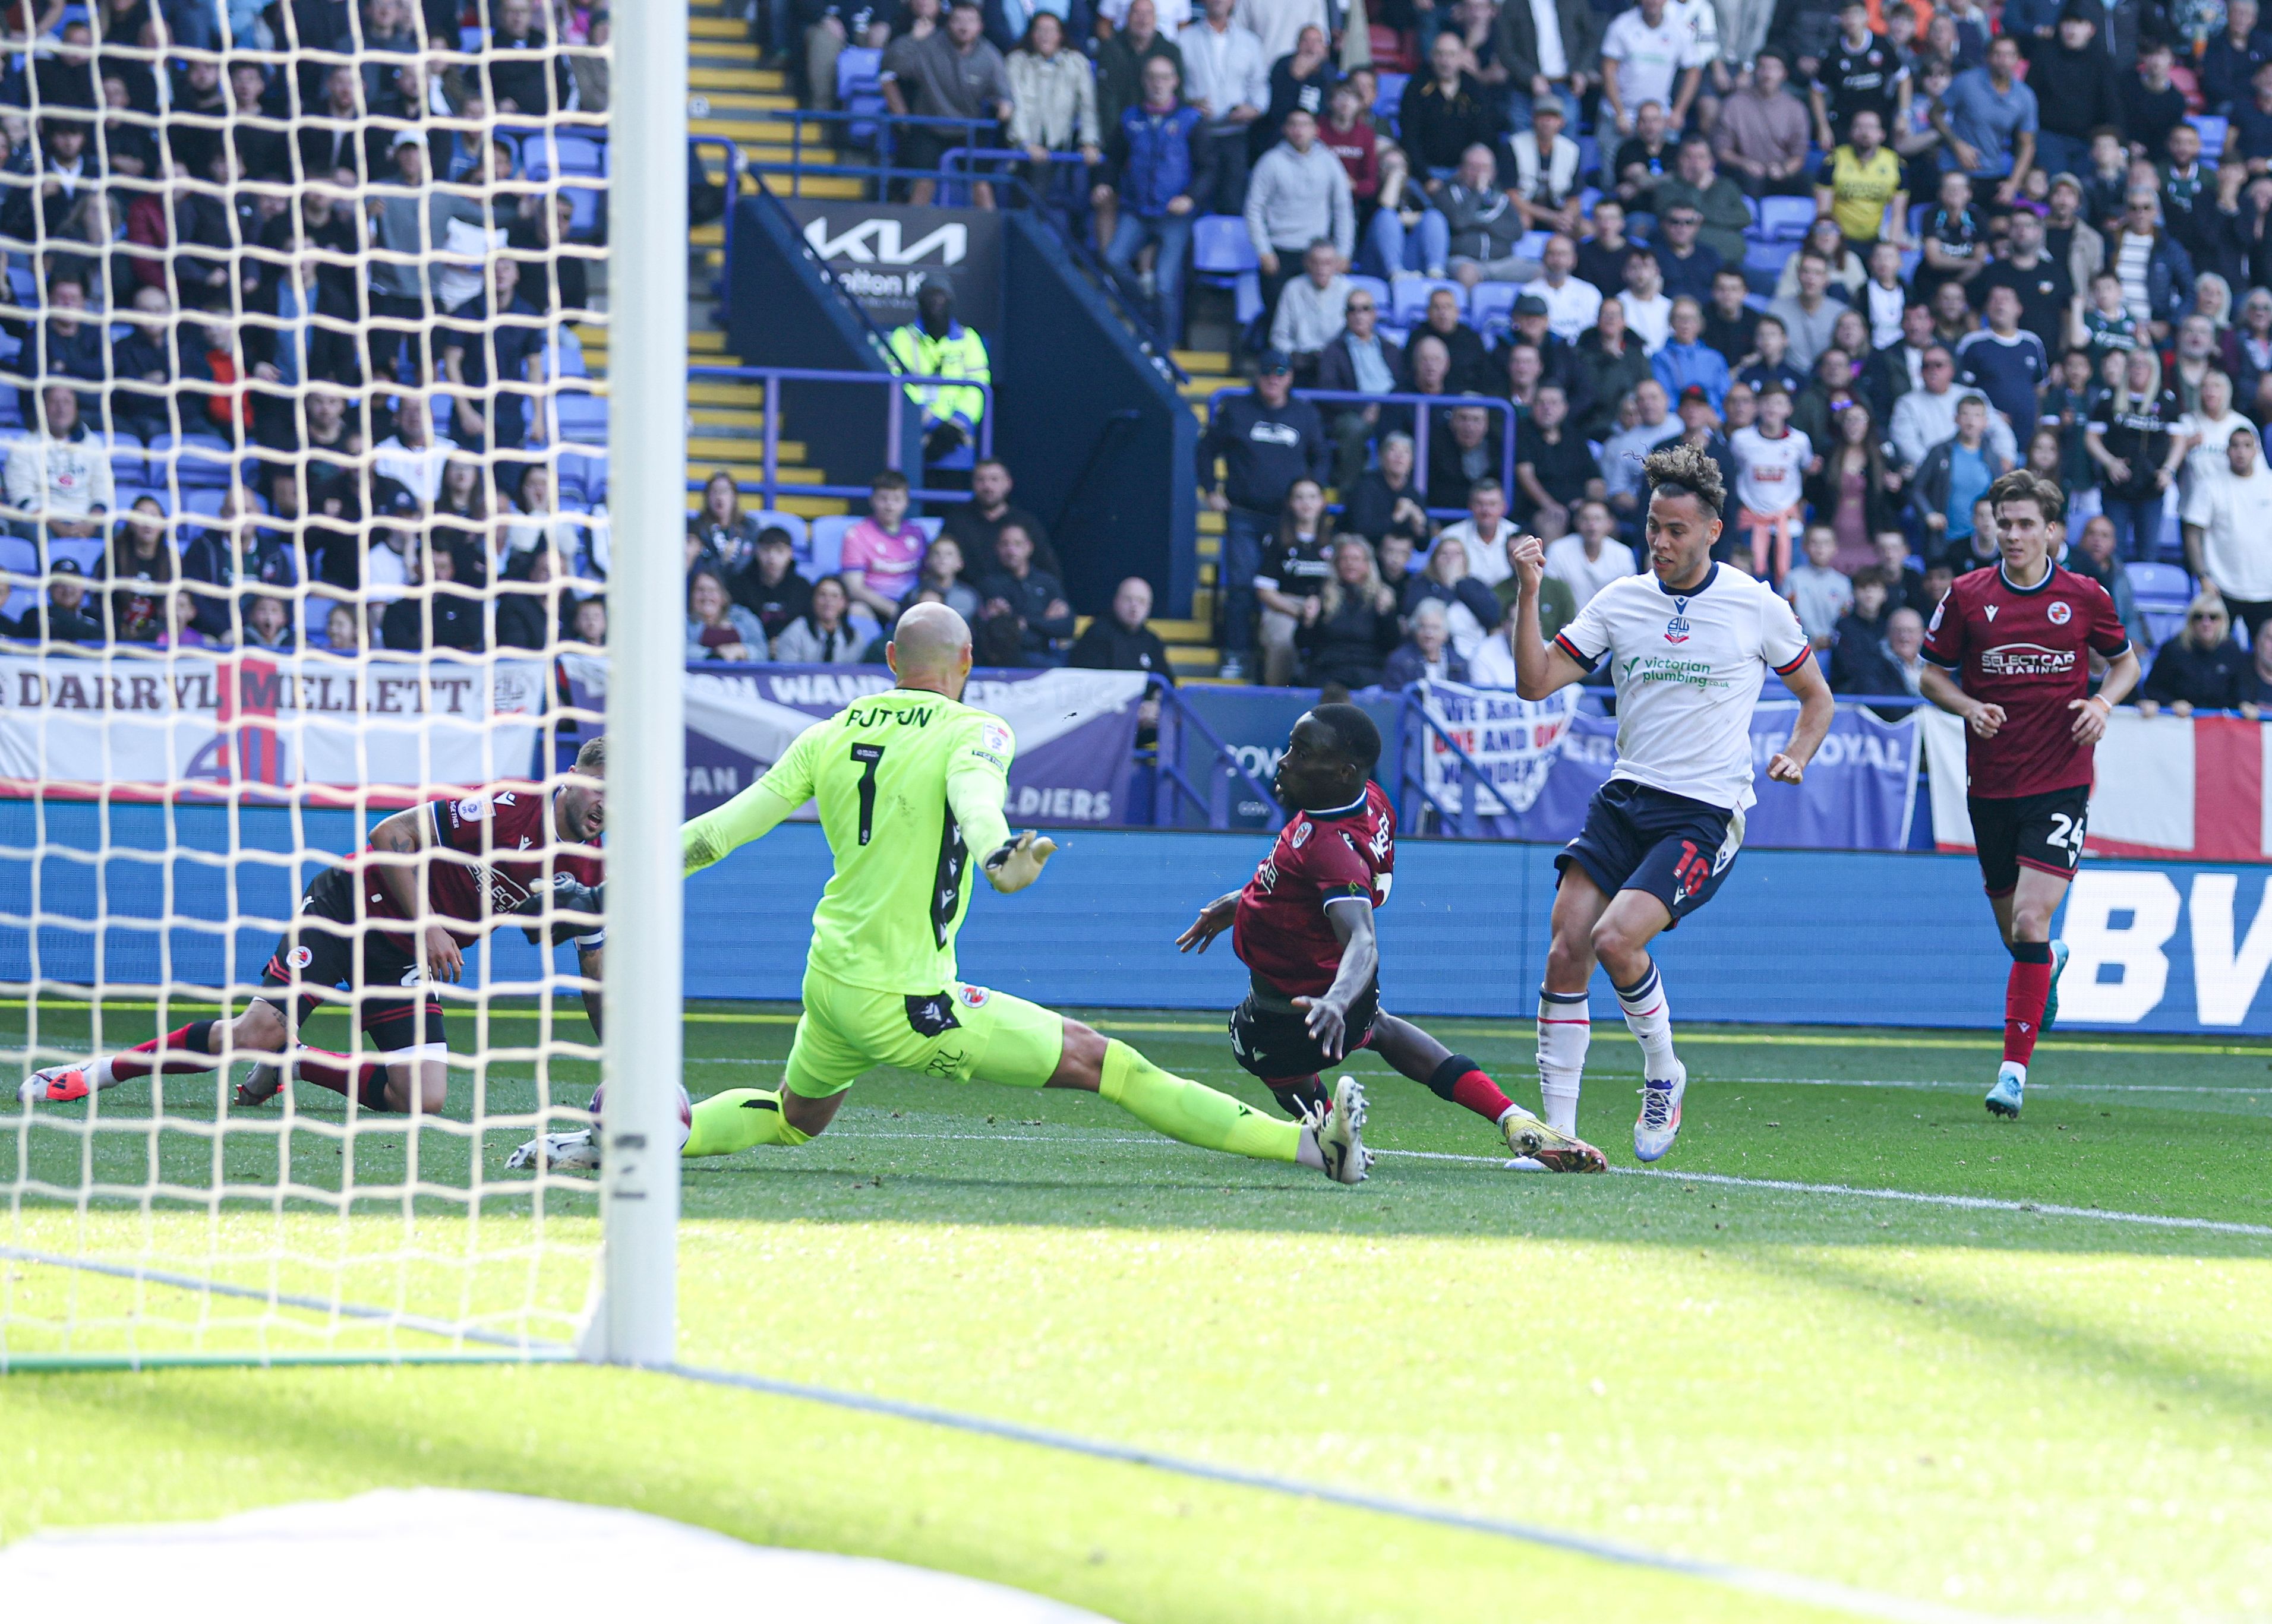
column 910, row 784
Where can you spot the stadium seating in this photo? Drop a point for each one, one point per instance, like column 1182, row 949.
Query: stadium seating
column 1785, row 219
column 1222, row 256
column 1412, row 293
column 1490, row 305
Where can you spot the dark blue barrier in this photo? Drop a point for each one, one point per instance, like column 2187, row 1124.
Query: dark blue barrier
column 783, row 309
column 1798, row 937
column 1104, row 448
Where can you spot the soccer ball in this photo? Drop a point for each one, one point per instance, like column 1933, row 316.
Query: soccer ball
column 686, row 1111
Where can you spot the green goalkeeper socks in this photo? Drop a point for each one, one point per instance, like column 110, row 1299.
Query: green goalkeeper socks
column 738, row 1118
column 1186, row 1110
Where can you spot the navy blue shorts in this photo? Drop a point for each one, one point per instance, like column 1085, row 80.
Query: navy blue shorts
column 1637, row 838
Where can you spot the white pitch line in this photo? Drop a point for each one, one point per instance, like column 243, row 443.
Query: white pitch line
column 1971, row 1203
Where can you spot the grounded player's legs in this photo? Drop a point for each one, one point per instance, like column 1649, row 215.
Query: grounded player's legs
column 1448, row 1075
column 194, row 1048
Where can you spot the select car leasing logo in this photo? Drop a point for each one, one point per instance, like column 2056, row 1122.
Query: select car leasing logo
column 2024, row 660
column 878, row 243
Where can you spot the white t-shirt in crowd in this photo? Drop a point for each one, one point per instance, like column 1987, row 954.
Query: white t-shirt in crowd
column 1492, row 664
column 1649, row 319
column 1650, row 59
column 1570, row 308
column 1566, row 561
column 2235, row 517
column 1769, row 472
column 1486, row 558
column 420, row 469
column 1688, row 668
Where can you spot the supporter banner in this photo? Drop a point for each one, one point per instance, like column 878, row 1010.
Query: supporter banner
column 883, row 253
column 138, row 724
column 2167, row 786
column 1076, row 730
column 1545, row 763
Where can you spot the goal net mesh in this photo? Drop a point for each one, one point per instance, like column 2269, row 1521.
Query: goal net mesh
column 305, row 492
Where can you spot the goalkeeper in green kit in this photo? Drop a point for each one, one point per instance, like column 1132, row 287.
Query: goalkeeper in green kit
column 910, row 784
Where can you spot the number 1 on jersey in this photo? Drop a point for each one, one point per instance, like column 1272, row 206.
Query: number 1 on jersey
column 868, row 755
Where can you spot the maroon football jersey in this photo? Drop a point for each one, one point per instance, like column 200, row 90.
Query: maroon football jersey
column 492, row 850
column 2029, row 652
column 1281, row 930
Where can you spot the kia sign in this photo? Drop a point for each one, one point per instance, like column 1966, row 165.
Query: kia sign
column 884, row 253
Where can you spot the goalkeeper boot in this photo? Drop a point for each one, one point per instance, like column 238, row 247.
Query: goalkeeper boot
column 1548, row 1150
column 2050, row 1001
column 57, row 1086
column 572, row 1152
column 2010, row 1091
column 1340, row 1134
column 1658, row 1125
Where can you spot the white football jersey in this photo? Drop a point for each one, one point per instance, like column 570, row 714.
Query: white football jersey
column 1688, row 668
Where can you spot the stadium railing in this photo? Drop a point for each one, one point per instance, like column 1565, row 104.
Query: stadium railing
column 895, row 450
column 1423, row 428
column 1173, row 786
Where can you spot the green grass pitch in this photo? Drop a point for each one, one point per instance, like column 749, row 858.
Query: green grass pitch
column 2002, row 1409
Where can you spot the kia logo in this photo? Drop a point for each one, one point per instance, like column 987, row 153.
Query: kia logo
column 877, row 242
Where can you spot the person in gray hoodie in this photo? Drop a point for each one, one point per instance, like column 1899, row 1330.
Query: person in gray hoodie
column 1298, row 194
column 412, row 218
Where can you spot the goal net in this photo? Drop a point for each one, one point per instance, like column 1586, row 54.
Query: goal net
column 306, row 489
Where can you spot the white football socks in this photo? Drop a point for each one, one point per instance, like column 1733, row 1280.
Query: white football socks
column 100, row 1075
column 1565, row 1029
column 1649, row 1017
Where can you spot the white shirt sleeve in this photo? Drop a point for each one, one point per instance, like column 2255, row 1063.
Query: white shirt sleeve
column 1588, row 637
column 1782, row 643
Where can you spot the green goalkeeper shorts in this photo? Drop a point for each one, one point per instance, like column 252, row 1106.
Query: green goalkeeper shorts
column 959, row 1033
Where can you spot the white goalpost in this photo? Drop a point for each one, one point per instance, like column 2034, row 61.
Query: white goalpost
column 638, row 1320
column 313, row 473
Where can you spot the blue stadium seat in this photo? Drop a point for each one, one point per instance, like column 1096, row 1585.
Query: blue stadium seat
column 206, row 503
column 1412, row 295
column 857, row 67
column 1768, row 257
column 930, row 527
column 1533, row 245
column 580, row 155
column 128, row 465
column 2212, row 126
column 1377, row 288
column 583, row 476
column 472, row 39
column 1491, row 304
column 1589, row 162
column 204, row 460
column 85, row 551
column 585, row 204
column 1392, row 94
column 1222, row 256
column 799, row 535
column 18, row 556
column 581, row 418
column 828, row 543
column 2160, row 587
column 1785, row 219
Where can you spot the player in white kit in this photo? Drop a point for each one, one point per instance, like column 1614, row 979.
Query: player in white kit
column 1690, row 646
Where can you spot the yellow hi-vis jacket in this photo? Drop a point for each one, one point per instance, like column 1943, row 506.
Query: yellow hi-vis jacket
column 960, row 354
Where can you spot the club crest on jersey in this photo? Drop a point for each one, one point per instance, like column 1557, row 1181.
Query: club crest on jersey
column 302, row 958
column 2060, row 613
column 1676, row 629
column 1302, row 834
column 974, row 996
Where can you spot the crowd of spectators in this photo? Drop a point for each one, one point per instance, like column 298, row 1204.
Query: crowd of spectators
column 1867, row 256
column 285, row 337
column 750, row 601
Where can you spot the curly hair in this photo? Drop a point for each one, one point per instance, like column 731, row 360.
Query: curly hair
column 1683, row 467
column 2024, row 485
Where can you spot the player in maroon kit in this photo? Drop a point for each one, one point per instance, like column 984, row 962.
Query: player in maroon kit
column 1303, row 926
column 464, row 865
column 2010, row 650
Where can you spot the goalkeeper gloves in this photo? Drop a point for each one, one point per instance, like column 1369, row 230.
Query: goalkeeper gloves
column 1018, row 863
column 569, row 896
